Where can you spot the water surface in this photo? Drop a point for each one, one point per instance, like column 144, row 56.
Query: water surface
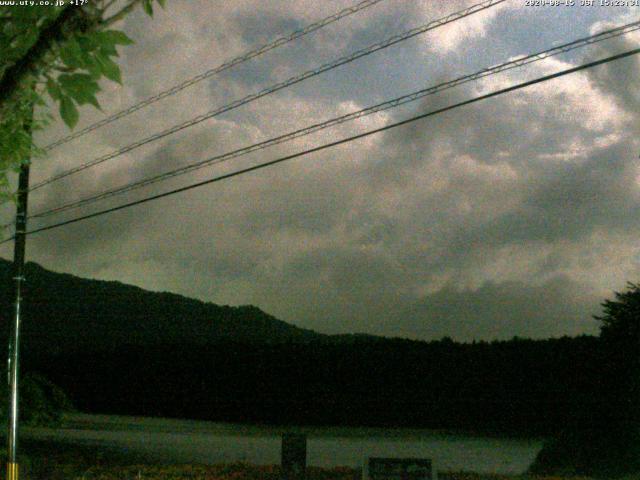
column 185, row 441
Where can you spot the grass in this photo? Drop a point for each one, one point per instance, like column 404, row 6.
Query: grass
column 59, row 461
column 235, row 471
column 54, row 470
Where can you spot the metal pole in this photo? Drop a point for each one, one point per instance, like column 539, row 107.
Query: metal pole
column 14, row 340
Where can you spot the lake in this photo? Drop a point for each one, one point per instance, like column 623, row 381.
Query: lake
column 185, row 441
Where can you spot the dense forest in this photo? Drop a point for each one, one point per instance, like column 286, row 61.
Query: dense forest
column 119, row 349
column 517, row 387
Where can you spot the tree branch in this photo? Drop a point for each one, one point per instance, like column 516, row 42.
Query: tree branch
column 108, row 5
column 121, row 14
column 73, row 19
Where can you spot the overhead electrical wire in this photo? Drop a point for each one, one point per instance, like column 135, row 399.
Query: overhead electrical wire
column 338, row 142
column 519, row 62
column 277, row 87
column 219, row 69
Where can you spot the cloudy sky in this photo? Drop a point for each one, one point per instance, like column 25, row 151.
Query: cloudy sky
column 513, row 216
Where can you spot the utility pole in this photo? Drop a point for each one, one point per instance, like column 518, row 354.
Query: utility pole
column 14, row 339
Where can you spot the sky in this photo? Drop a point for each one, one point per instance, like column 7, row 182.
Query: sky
column 514, row 216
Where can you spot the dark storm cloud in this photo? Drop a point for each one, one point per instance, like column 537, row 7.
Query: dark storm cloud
column 478, row 223
column 615, row 78
column 263, row 29
column 555, row 308
column 555, row 199
column 567, row 202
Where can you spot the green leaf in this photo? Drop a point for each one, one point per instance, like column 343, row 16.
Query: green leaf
column 78, row 85
column 71, row 54
column 148, row 7
column 109, row 68
column 87, row 58
column 162, row 3
column 113, row 37
column 108, row 49
column 89, row 41
column 54, row 89
column 68, row 112
column 90, row 99
column 94, row 69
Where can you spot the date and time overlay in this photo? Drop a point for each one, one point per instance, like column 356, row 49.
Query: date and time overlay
column 526, row 3
column 581, row 3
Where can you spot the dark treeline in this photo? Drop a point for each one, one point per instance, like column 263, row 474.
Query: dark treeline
column 119, row 349
column 517, row 387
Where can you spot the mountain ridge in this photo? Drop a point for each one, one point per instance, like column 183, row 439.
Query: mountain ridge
column 120, row 349
column 62, row 310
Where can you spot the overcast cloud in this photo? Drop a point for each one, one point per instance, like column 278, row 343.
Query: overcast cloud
column 513, row 216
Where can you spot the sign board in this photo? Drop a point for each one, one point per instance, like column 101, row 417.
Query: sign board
column 399, row 469
column 294, row 456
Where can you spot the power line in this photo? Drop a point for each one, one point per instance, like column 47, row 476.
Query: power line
column 219, row 69
column 582, row 42
column 279, row 86
column 338, row 142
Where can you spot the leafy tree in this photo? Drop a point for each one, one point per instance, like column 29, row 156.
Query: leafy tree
column 603, row 438
column 620, row 322
column 61, row 52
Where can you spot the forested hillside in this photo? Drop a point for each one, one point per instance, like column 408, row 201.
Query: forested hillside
column 120, row 349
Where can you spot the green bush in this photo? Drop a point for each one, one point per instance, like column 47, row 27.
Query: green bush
column 41, row 402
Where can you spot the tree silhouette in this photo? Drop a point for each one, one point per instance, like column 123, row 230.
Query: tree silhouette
column 602, row 438
column 621, row 319
column 620, row 335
